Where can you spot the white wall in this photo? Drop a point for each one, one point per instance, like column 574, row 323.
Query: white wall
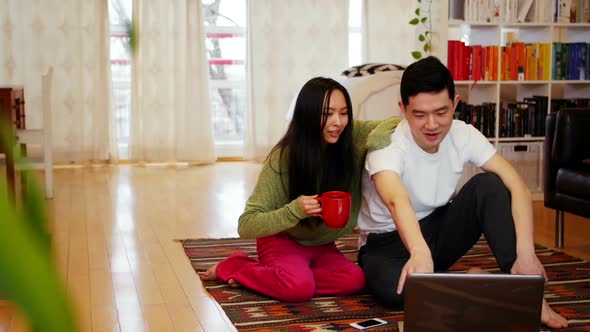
column 390, row 39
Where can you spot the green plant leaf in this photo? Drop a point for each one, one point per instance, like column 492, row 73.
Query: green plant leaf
column 426, row 47
column 34, row 211
column 424, row 19
column 133, row 33
column 417, row 55
column 419, row 1
column 414, row 21
column 417, row 12
column 421, row 38
column 30, row 278
column 426, row 33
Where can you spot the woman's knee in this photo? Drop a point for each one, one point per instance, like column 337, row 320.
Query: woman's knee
column 355, row 281
column 299, row 290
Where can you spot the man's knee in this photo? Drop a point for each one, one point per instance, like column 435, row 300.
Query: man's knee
column 382, row 282
column 389, row 298
column 489, row 183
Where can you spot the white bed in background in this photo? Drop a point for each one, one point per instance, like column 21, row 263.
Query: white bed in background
column 373, row 97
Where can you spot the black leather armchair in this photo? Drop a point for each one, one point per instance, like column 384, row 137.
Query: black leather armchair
column 566, row 165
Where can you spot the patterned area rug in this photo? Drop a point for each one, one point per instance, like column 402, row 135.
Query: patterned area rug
column 568, row 292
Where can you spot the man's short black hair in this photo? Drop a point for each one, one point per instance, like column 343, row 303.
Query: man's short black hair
column 426, row 75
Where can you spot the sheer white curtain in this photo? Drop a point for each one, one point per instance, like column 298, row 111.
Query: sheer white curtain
column 170, row 118
column 291, row 42
column 72, row 36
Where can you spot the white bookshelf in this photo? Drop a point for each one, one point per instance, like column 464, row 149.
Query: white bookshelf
column 496, row 33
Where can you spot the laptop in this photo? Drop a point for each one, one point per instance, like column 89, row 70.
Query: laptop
column 473, row 302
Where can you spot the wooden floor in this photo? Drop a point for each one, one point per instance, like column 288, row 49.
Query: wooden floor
column 115, row 228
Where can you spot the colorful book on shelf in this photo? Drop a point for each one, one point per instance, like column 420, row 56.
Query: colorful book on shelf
column 452, row 56
column 530, row 62
column 556, row 72
column 545, row 62
column 520, row 53
column 465, row 61
column 571, row 61
column 563, row 11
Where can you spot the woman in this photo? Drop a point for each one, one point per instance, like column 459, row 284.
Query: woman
column 321, row 151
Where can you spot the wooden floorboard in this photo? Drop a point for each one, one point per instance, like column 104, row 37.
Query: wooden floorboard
column 114, row 231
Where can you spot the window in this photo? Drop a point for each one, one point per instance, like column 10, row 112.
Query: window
column 226, row 42
column 120, row 22
column 226, row 24
column 356, row 49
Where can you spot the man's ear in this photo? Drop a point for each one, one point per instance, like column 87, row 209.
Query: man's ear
column 401, row 107
column 456, row 102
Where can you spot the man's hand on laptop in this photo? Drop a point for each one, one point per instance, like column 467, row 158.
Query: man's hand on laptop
column 420, row 261
column 528, row 264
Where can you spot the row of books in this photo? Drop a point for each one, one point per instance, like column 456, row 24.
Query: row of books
column 518, row 11
column 472, row 62
column 571, row 61
column 525, row 118
column 491, row 11
column 519, row 61
column 516, row 119
column 482, row 117
column 559, row 103
column 572, row 11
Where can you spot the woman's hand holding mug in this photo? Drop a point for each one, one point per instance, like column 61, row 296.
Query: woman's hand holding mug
column 310, row 205
column 335, row 208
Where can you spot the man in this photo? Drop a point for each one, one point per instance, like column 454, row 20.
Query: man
column 412, row 221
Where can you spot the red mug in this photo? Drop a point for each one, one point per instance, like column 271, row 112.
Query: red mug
column 335, row 208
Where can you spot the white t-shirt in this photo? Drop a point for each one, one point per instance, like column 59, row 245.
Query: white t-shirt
column 429, row 178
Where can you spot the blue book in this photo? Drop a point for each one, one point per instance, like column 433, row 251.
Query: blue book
column 582, row 55
column 571, row 61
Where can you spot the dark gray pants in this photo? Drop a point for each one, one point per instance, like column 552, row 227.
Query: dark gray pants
column 482, row 206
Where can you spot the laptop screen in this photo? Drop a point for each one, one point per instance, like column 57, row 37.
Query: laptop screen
column 473, row 302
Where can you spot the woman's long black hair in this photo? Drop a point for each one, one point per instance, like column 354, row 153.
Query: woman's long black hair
column 314, row 166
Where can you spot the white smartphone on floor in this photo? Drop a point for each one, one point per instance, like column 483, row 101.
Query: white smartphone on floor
column 367, row 324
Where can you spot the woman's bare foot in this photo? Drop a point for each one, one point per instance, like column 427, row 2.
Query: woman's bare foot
column 550, row 318
column 211, row 274
column 233, row 284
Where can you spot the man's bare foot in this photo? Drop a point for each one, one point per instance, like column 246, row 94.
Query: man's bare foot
column 550, row 318
column 476, row 270
column 210, row 274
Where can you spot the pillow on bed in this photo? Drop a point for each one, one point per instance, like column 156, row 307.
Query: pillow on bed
column 373, row 97
column 370, row 69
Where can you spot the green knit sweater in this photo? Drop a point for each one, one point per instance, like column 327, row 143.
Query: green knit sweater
column 269, row 210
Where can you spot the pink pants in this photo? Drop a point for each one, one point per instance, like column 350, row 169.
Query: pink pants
column 291, row 272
